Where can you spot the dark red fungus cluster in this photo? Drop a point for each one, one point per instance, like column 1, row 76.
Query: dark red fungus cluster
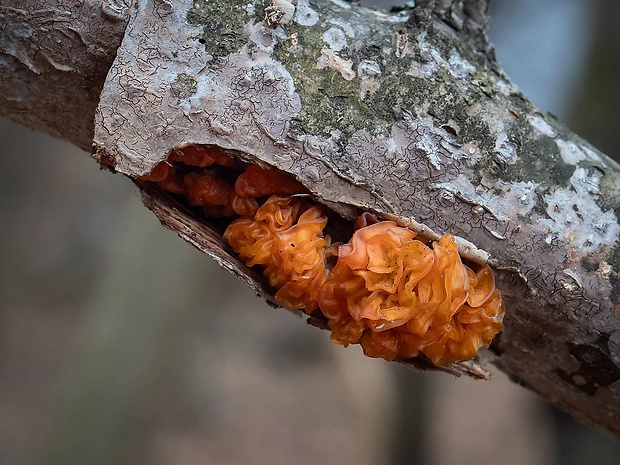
column 394, row 295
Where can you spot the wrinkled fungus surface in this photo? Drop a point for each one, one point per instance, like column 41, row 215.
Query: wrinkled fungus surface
column 396, row 296
column 286, row 237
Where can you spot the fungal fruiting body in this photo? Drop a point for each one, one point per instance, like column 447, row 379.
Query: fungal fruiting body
column 396, row 296
column 286, row 237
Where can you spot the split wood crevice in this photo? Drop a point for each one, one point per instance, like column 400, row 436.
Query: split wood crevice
column 370, row 283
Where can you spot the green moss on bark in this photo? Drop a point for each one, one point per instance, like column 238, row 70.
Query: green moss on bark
column 222, row 24
column 185, row 86
column 329, row 101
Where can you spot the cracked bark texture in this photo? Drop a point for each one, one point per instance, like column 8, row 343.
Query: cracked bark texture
column 403, row 114
column 54, row 57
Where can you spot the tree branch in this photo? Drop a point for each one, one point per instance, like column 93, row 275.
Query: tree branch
column 55, row 58
column 405, row 115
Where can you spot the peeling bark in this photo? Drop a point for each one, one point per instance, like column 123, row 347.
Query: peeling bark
column 405, row 115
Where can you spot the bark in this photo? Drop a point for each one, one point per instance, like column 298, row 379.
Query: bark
column 406, row 115
column 54, row 57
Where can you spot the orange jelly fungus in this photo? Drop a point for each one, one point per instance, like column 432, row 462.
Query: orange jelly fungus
column 394, row 295
column 257, row 181
column 398, row 297
column 286, row 237
column 201, row 156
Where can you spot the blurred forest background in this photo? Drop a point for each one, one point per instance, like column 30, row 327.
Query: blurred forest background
column 120, row 344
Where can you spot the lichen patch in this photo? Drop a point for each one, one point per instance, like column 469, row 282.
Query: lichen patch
column 184, row 86
column 430, row 58
column 280, row 12
column 586, row 182
column 592, row 155
column 505, row 150
column 368, row 72
column 344, row 25
column 541, row 126
column 579, row 221
column 329, row 59
column 305, row 15
column 493, row 116
column 506, row 88
column 335, row 38
column 570, row 152
column 459, row 67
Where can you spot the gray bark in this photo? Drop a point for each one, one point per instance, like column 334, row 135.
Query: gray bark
column 406, row 115
column 54, row 57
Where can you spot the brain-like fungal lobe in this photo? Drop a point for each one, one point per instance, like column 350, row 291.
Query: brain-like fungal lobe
column 399, row 297
column 379, row 285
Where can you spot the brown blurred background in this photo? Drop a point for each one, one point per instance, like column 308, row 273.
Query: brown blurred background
column 120, row 344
